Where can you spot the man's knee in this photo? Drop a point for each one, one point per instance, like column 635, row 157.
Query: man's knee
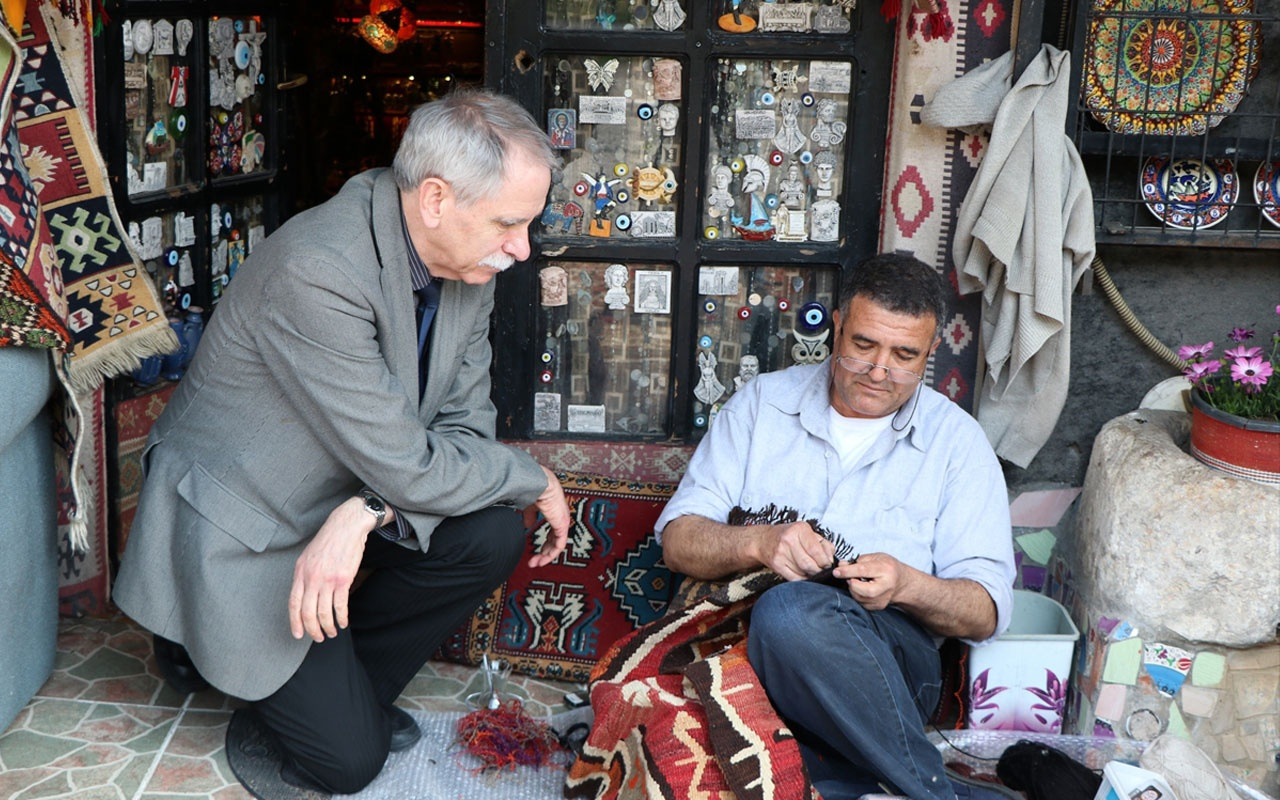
column 491, row 541
column 790, row 618
column 346, row 773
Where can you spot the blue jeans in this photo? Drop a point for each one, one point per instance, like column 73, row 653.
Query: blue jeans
column 856, row 688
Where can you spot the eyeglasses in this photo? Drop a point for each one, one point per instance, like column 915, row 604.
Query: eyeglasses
column 896, row 374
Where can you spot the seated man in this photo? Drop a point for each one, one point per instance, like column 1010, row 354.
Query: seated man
column 321, row 408
column 907, row 499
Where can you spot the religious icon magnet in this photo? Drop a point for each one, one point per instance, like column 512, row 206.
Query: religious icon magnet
column 562, row 124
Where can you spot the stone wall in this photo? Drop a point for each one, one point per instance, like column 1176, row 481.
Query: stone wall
column 1176, row 587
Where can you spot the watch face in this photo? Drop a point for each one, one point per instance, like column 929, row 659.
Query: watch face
column 374, row 504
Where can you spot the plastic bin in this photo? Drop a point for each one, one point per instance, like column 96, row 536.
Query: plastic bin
column 1019, row 681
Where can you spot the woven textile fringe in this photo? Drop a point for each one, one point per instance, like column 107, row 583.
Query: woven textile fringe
column 88, row 371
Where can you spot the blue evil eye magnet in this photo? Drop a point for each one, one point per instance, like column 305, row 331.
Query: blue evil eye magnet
column 700, row 420
column 623, row 222
column 806, row 157
column 710, row 306
column 704, row 342
column 645, row 111
column 812, row 317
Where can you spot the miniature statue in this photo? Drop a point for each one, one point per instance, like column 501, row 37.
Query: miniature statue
column 668, row 15
column 789, row 138
column 709, row 388
column 824, row 165
column 756, row 226
column 720, row 201
column 791, row 188
column 827, row 131
column 615, row 281
column 748, row 368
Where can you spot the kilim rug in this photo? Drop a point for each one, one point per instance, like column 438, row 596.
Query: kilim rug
column 133, row 417
column 686, row 679
column 83, row 579
column 114, row 314
column 928, row 171
column 626, row 461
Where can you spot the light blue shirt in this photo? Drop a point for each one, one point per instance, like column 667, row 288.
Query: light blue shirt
column 932, row 495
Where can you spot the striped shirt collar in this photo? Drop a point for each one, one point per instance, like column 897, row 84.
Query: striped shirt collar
column 418, row 274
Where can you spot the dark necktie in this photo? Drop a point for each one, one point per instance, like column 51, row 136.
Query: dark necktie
column 428, row 302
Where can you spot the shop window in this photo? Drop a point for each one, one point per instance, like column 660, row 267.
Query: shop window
column 710, row 152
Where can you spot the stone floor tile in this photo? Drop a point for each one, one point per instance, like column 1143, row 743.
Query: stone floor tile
column 23, row 749
column 61, row 684
column 183, row 775
column 13, row 781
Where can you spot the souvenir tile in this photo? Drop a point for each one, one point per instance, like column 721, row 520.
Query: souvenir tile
column 653, row 292
column 162, row 38
column 554, row 283
column 586, row 419
column 778, row 140
column 618, row 121
column 143, row 36
column 546, row 411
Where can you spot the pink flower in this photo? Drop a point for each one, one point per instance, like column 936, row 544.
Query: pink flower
column 1252, row 371
column 1192, row 352
column 1200, row 370
column 1243, row 352
column 1240, row 334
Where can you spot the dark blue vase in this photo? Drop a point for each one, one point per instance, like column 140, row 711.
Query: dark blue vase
column 172, row 365
column 192, row 330
column 148, row 371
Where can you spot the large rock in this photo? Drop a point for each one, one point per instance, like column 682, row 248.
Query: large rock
column 1166, row 541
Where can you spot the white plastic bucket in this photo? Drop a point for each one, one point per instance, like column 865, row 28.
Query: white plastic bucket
column 1019, row 681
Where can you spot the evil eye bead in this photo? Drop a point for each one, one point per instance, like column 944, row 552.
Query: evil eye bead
column 806, row 157
column 546, row 376
column 669, row 185
column 812, row 317
column 806, row 99
column 766, row 99
column 645, row 111
column 180, row 122
column 185, row 300
column 547, row 356
column 711, row 232
column 171, row 256
column 226, row 220
column 776, row 158
column 737, row 165
column 621, row 170
column 622, row 195
column 700, row 420
column 581, row 188
column 623, row 222
column 239, row 26
column 744, row 313
column 709, row 307
column 705, row 342
column 783, row 305
column 771, row 200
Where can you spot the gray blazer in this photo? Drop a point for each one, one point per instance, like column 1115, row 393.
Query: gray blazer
column 304, row 390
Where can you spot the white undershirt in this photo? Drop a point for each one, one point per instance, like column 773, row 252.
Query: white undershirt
column 853, row 436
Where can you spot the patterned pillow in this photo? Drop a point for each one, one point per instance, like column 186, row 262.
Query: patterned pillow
column 555, row 621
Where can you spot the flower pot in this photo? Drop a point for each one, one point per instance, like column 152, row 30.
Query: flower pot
column 1246, row 448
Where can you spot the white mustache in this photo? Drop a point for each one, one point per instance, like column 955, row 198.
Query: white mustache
column 498, row 261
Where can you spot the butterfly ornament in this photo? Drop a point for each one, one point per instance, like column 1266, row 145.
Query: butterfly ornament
column 600, row 75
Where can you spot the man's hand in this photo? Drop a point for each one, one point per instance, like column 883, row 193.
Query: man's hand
column 794, row 551
column 875, row 579
column 323, row 574
column 556, row 512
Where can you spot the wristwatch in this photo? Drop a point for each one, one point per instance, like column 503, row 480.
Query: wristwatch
column 375, row 506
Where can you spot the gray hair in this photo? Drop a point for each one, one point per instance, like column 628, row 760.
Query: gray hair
column 465, row 139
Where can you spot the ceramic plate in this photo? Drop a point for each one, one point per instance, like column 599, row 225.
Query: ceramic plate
column 1188, row 193
column 1168, row 66
column 1266, row 190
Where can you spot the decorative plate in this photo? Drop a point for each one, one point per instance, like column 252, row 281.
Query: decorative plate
column 1169, row 66
column 1266, row 190
column 1188, row 193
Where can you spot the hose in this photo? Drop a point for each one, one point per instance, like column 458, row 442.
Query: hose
column 1126, row 314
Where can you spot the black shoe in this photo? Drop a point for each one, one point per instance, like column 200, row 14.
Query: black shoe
column 176, row 667
column 405, row 733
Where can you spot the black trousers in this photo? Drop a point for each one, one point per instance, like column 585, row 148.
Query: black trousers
column 329, row 717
